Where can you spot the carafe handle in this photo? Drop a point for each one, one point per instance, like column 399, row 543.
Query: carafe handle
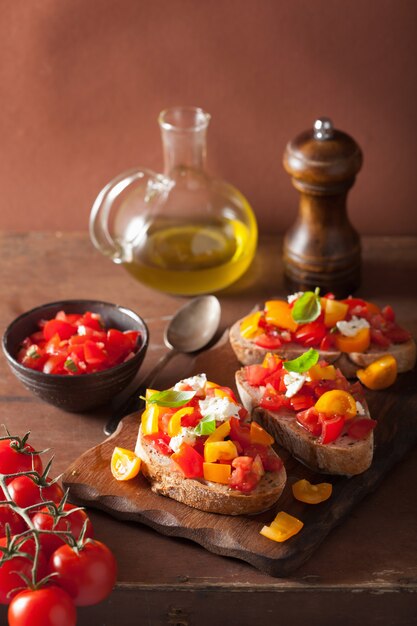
column 122, row 208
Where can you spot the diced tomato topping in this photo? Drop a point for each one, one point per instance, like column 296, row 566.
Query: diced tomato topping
column 269, row 342
column 270, row 461
column 243, row 477
column 240, row 432
column 190, row 421
column 300, row 401
column 327, row 343
column 189, row 460
column 55, row 364
column 274, row 401
column 388, row 313
column 53, row 327
column 93, row 353
column 256, row 375
column 311, row 334
column 331, row 427
column 379, row 339
column 397, row 334
column 309, row 419
column 160, row 442
column 360, row 428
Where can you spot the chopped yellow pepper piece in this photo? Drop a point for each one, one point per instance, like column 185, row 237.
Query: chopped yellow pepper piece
column 304, row 491
column 217, row 472
column 282, row 528
column 249, row 326
column 337, row 402
column 380, row 374
column 220, row 450
column 220, row 433
column 279, row 313
column 150, row 419
column 174, row 424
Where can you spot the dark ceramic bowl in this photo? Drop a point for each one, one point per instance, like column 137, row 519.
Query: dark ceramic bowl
column 85, row 391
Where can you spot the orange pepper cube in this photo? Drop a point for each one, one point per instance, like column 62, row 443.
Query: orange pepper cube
column 259, row 435
column 217, row 472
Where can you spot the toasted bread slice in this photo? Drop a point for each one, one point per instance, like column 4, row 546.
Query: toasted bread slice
column 248, row 353
column 346, row 456
column 167, row 480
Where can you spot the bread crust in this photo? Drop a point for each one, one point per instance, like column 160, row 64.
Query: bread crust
column 345, row 456
column 248, row 353
column 200, row 494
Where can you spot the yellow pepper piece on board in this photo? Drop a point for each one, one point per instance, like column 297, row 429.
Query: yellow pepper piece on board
column 282, row 528
column 220, row 433
column 124, row 464
column 279, row 313
column 304, row 491
column 249, row 326
column 337, row 402
column 327, row 372
column 358, row 343
column 219, row 450
column 334, row 311
column 174, row 424
column 380, row 374
column 217, row 472
column 150, row 419
column 259, row 435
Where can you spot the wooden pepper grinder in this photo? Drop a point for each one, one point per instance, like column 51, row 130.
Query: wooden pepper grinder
column 322, row 249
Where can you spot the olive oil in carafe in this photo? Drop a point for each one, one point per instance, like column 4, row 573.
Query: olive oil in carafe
column 191, row 258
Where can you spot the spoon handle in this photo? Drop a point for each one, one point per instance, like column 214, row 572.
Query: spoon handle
column 133, row 402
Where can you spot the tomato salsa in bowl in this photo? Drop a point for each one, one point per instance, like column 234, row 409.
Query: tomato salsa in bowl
column 76, row 354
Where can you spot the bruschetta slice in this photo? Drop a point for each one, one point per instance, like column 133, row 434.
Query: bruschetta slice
column 198, row 446
column 311, row 410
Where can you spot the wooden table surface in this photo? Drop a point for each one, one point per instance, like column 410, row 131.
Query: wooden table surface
column 364, row 572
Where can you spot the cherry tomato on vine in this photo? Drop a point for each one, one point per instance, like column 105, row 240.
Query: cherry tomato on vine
column 13, row 459
column 8, row 516
column 73, row 523
column 88, row 575
column 10, row 580
column 48, row 606
column 26, row 492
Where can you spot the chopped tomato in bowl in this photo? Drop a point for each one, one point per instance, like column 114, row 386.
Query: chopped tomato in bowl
column 76, row 354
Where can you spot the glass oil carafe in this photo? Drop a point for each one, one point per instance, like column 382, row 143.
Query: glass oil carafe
column 181, row 232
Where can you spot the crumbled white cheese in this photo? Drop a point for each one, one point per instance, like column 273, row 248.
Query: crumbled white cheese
column 293, row 382
column 197, row 383
column 186, row 435
column 351, row 328
column 359, row 408
column 219, row 408
column 294, row 296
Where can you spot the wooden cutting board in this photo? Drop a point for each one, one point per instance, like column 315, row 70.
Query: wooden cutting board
column 91, row 483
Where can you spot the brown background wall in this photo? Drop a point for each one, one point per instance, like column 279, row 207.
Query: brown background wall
column 82, row 83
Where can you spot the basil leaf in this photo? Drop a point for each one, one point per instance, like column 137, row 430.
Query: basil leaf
column 171, row 398
column 205, row 426
column 302, row 363
column 307, row 308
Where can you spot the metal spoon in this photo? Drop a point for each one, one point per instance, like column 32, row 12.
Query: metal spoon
column 191, row 329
